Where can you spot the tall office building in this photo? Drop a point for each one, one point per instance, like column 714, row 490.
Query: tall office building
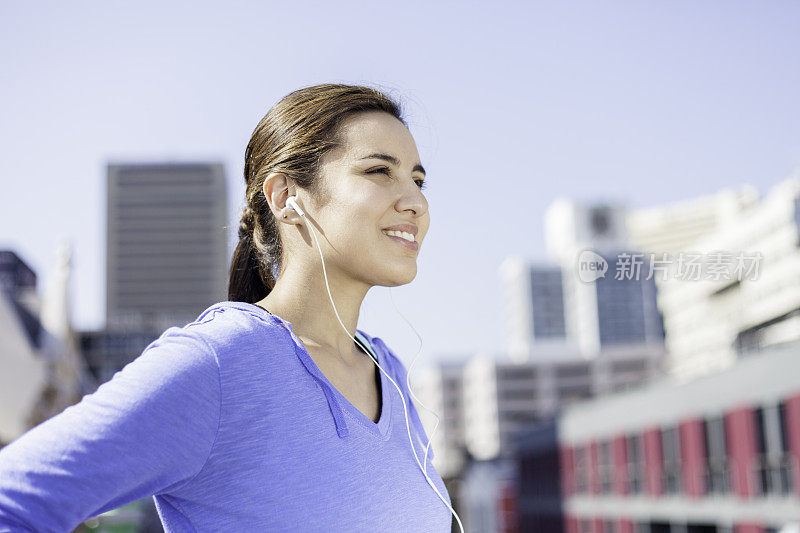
column 743, row 296
column 534, row 300
column 618, row 308
column 486, row 403
column 439, row 388
column 571, row 227
column 676, row 227
column 167, row 243
column 553, row 304
column 500, row 398
column 547, row 301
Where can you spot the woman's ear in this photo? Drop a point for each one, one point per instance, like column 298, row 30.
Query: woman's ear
column 276, row 189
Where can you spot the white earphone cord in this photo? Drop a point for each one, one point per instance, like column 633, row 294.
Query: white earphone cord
column 408, row 375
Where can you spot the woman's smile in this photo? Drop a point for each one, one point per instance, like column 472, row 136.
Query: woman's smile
column 411, row 245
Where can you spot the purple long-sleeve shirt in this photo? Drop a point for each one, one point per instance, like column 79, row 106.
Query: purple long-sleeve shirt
column 231, row 426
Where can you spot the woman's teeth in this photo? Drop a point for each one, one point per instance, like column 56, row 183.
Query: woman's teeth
column 403, row 234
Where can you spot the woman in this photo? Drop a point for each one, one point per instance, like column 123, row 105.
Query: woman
column 268, row 412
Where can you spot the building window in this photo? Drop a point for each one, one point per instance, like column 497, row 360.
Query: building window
column 580, row 469
column 601, row 221
column 773, row 473
column 786, row 461
column 797, row 217
column 605, row 467
column 672, row 460
column 635, row 458
column 761, row 473
column 717, row 465
column 580, row 370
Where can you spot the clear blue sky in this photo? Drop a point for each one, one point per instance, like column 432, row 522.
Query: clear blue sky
column 641, row 102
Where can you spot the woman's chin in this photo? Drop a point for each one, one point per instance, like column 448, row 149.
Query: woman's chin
column 401, row 278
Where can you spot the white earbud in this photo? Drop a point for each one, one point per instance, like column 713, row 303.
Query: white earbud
column 292, row 203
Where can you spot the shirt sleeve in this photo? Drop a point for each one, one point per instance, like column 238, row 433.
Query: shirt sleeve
column 148, row 430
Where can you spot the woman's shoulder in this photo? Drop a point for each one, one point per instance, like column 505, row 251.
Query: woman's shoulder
column 233, row 330
column 227, row 322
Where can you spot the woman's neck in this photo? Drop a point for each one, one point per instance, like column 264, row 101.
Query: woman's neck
column 302, row 299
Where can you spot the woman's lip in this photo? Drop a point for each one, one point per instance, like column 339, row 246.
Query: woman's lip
column 408, row 244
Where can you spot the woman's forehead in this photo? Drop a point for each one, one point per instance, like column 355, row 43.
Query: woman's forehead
column 376, row 132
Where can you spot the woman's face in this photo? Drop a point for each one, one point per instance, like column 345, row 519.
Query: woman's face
column 372, row 182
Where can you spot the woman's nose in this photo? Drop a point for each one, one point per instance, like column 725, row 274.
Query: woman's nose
column 413, row 200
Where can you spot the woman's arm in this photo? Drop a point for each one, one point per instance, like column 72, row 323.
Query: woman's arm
column 148, row 430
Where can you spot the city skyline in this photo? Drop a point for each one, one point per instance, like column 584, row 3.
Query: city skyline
column 628, row 103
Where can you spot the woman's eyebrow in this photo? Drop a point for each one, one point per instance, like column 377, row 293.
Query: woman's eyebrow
column 393, row 160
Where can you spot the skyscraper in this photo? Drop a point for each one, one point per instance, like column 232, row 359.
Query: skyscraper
column 554, row 303
column 167, row 247
column 743, row 297
column 534, row 299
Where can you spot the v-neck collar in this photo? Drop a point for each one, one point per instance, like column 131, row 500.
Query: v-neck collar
column 337, row 402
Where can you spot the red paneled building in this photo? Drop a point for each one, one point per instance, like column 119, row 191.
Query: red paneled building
column 717, row 454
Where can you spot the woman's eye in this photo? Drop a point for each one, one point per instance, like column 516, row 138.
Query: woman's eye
column 385, row 170
column 378, row 170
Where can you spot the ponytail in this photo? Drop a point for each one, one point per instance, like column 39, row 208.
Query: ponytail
column 245, row 283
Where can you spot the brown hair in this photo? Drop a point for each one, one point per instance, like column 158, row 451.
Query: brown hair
column 291, row 139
